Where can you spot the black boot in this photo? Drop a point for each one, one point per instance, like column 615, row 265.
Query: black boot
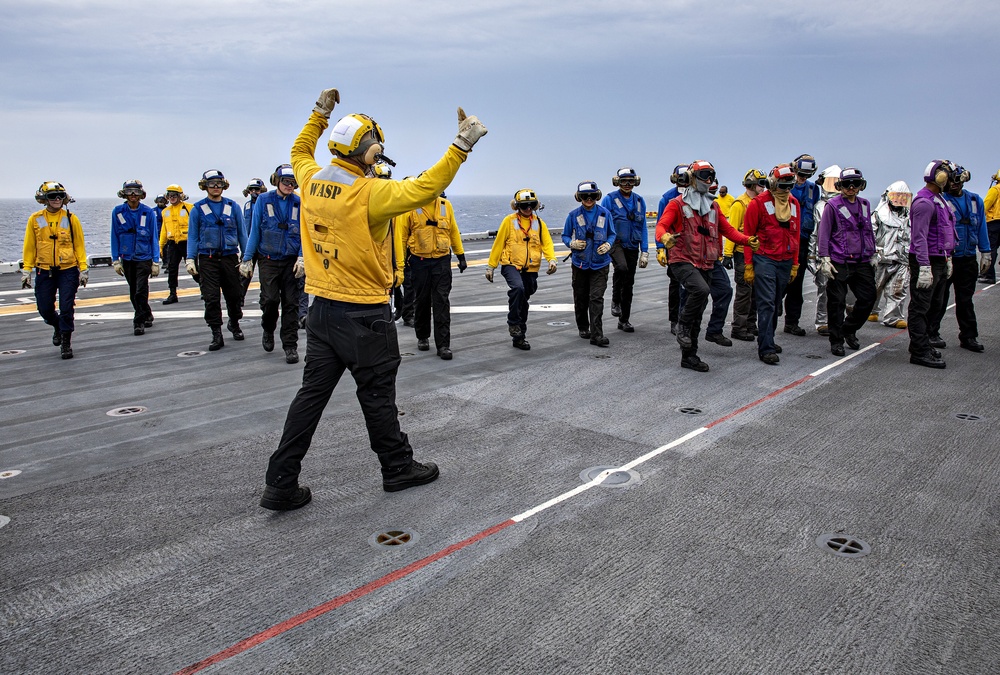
column 684, row 336
column 234, row 328
column 56, row 337
column 170, row 299
column 217, row 341
column 64, row 346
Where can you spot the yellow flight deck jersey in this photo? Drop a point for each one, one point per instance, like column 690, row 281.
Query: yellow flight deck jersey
column 725, row 203
column 736, row 213
column 522, row 242
column 346, row 242
column 431, row 231
column 175, row 223
column 54, row 240
column 992, row 203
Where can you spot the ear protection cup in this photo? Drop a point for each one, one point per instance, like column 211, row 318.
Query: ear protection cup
column 274, row 179
column 941, row 178
column 614, row 181
column 372, row 152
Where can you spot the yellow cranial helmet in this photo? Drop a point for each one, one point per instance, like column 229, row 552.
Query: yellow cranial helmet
column 174, row 188
column 356, row 135
column 49, row 187
column 754, row 177
column 524, row 197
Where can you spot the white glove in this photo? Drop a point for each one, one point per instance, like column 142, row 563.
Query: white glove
column 299, row 268
column 603, row 248
column 25, row 278
column 155, row 270
column 826, row 268
column 328, row 98
column 470, row 130
column 117, row 264
column 950, row 266
column 984, row 264
column 191, row 267
column 578, row 244
column 874, row 261
column 925, row 278
column 84, row 277
column 552, row 267
column 643, row 259
column 246, row 269
column 489, row 274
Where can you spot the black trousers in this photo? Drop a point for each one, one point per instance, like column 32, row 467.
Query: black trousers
column 220, row 273
column 53, row 283
column 137, row 275
column 965, row 271
column 793, row 293
column 993, row 230
column 745, row 305
column 173, row 253
column 279, row 289
column 361, row 339
column 925, row 303
column 589, row 287
column 697, row 289
column 860, row 279
column 431, row 288
column 520, row 287
column 407, row 303
column 673, row 297
column 625, row 261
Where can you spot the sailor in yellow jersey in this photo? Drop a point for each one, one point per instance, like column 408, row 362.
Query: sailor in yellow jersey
column 429, row 235
column 521, row 241
column 347, row 246
column 173, row 236
column 53, row 247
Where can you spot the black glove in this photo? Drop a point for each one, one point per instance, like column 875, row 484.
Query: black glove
column 727, row 262
column 462, row 265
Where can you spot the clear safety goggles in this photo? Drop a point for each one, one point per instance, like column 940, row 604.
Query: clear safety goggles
column 173, row 194
column 219, row 185
column 626, row 182
column 132, row 192
column 290, row 182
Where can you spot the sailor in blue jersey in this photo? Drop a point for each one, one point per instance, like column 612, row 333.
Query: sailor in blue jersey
column 631, row 247
column 135, row 250
column 971, row 235
column 678, row 178
column 807, row 193
column 277, row 245
column 254, row 189
column 216, row 235
column 589, row 232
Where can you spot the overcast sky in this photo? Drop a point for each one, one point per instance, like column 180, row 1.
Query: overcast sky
column 98, row 92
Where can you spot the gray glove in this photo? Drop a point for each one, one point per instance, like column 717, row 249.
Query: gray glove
column 925, row 278
column 328, row 98
column 489, row 274
column 603, row 248
column 191, row 267
column 984, row 264
column 643, row 259
column 154, row 271
column 874, row 261
column 552, row 267
column 25, row 278
column 119, row 270
column 84, row 277
column 299, row 268
column 470, row 130
column 246, row 269
column 826, row 268
column 578, row 244
column 950, row 268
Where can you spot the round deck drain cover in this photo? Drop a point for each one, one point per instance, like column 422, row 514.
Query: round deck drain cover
column 393, row 539
column 843, row 545
column 4, row 520
column 9, row 474
column 11, row 352
column 185, row 355
column 968, row 417
column 558, row 323
column 617, row 479
column 689, row 410
column 127, row 410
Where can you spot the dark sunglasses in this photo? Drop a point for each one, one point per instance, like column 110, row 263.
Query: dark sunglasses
column 588, row 197
column 54, row 196
column 705, row 175
column 785, row 184
column 851, row 183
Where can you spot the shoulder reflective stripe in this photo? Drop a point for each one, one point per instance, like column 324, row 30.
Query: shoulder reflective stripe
column 769, row 207
column 121, row 218
column 581, row 221
column 444, row 209
column 334, row 174
column 975, row 207
column 864, row 210
column 619, row 203
column 295, row 213
column 142, row 221
column 227, row 210
column 795, row 210
column 845, row 212
column 600, row 222
column 270, row 210
column 713, row 216
column 42, row 222
column 688, row 213
column 206, row 209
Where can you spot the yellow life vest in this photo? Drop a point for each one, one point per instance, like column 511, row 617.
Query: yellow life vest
column 430, row 230
column 175, row 222
column 523, row 249
column 342, row 260
column 53, row 242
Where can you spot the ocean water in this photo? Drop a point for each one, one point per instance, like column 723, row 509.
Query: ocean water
column 473, row 213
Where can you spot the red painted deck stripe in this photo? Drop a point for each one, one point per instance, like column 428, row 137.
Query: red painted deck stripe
column 758, row 402
column 339, row 601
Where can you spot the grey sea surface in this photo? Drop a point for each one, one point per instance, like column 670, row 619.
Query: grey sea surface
column 481, row 213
